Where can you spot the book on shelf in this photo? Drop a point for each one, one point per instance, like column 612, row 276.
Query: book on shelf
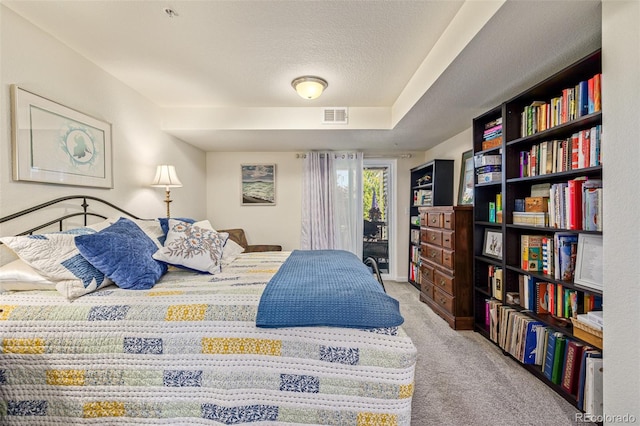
column 565, row 246
column 550, row 353
column 547, row 255
column 542, row 298
column 593, row 387
column 482, row 160
column 592, row 205
column 571, row 368
column 574, row 202
column 588, row 352
column 531, row 252
column 532, row 331
column 496, row 280
column 558, row 359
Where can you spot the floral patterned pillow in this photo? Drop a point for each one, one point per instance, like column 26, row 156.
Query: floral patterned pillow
column 192, row 246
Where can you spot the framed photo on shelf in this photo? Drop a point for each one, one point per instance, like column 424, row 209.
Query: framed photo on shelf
column 258, row 184
column 52, row 143
column 589, row 263
column 465, row 188
column 492, row 246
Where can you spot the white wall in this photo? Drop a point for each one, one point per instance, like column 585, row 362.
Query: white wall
column 452, row 149
column 621, row 151
column 39, row 63
column 280, row 224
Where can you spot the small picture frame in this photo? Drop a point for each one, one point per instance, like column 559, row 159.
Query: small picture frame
column 589, row 262
column 465, row 187
column 258, row 184
column 492, row 245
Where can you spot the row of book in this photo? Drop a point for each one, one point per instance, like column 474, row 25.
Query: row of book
column 574, row 102
column 415, row 254
column 576, row 204
column 422, row 197
column 574, row 366
column 415, row 236
column 553, row 255
column 414, row 272
column 556, row 299
column 581, row 150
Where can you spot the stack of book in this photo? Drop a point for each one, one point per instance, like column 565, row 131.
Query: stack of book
column 488, row 168
column 492, row 135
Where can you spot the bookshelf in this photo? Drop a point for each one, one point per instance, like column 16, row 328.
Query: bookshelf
column 546, row 193
column 431, row 185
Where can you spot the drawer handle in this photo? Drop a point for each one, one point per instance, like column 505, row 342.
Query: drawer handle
column 433, row 238
column 443, row 300
column 433, row 221
column 433, row 254
column 446, row 240
column 442, row 282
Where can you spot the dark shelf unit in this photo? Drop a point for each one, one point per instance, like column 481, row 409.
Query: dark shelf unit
column 441, row 186
column 512, row 187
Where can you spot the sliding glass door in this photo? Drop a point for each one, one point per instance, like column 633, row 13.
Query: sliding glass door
column 378, row 212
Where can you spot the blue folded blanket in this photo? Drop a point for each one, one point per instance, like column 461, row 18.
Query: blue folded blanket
column 326, row 288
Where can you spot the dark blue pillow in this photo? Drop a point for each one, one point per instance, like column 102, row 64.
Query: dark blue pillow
column 123, row 253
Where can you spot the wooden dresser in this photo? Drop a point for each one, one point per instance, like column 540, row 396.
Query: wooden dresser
column 446, row 267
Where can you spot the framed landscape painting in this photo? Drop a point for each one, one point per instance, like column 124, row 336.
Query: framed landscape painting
column 258, row 184
column 56, row 144
column 465, row 188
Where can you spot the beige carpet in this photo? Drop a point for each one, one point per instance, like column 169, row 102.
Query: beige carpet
column 463, row 379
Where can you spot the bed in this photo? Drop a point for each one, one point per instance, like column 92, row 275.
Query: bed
column 187, row 349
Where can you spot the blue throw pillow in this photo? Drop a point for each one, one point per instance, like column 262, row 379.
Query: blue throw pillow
column 123, row 252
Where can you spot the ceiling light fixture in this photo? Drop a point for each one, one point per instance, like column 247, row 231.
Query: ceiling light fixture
column 309, row 87
column 171, row 13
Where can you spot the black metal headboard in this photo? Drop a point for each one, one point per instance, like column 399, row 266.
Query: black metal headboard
column 84, row 212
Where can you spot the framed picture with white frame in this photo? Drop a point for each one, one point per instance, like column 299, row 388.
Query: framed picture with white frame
column 56, row 144
column 589, row 262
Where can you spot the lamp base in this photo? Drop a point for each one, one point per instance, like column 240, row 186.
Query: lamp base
column 168, row 200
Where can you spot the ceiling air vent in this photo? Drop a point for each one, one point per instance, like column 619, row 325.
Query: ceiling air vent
column 335, row 115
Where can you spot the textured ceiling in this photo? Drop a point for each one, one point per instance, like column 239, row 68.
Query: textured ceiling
column 412, row 73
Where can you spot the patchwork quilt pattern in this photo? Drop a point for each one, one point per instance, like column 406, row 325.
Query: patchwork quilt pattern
column 187, row 351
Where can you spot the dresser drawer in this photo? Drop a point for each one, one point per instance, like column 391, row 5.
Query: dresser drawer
column 433, row 236
column 443, row 300
column 426, row 271
column 427, row 289
column 434, row 219
column 443, row 281
column 432, row 253
column 448, row 239
column 447, row 258
column 448, row 220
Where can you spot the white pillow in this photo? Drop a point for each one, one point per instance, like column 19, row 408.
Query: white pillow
column 230, row 251
column 17, row 275
column 56, row 257
column 192, row 246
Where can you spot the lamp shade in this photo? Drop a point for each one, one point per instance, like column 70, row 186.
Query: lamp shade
column 309, row 87
column 166, row 176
